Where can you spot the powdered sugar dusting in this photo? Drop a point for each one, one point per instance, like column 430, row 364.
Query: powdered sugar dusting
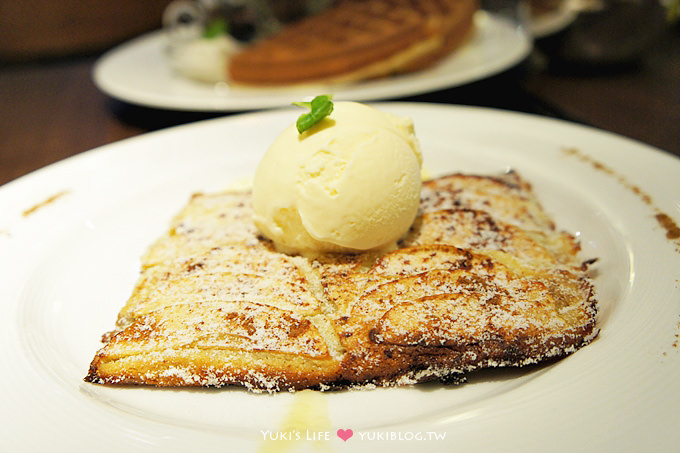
column 483, row 279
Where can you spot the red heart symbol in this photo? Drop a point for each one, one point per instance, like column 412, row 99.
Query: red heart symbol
column 345, row 434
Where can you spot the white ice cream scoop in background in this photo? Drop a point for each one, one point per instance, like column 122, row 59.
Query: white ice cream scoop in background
column 349, row 183
column 203, row 35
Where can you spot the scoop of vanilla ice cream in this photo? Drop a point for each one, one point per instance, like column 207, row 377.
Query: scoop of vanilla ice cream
column 351, row 182
column 203, row 59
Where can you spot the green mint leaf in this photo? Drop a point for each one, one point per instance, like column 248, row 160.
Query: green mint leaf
column 216, row 27
column 320, row 107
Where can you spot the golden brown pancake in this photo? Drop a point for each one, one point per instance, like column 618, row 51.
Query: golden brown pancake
column 483, row 279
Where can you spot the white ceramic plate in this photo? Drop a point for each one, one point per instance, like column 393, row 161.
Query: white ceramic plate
column 71, row 236
column 137, row 72
column 549, row 23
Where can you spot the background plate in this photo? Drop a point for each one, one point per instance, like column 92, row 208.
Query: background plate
column 546, row 24
column 137, row 72
column 72, row 233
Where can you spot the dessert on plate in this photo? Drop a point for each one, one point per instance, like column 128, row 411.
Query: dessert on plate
column 348, row 41
column 341, row 268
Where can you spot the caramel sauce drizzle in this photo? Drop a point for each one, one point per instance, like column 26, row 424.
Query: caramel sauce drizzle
column 44, row 203
column 665, row 221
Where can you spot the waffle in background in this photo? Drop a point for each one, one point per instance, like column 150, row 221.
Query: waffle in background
column 355, row 40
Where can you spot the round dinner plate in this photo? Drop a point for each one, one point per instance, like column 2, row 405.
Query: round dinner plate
column 71, row 236
column 138, row 72
column 546, row 24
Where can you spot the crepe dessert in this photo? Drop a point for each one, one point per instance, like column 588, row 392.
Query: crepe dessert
column 355, row 40
column 479, row 278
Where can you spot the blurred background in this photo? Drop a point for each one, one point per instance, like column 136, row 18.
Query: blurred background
column 33, row 29
column 606, row 31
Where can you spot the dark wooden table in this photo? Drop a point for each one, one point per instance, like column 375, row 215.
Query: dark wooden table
column 51, row 110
